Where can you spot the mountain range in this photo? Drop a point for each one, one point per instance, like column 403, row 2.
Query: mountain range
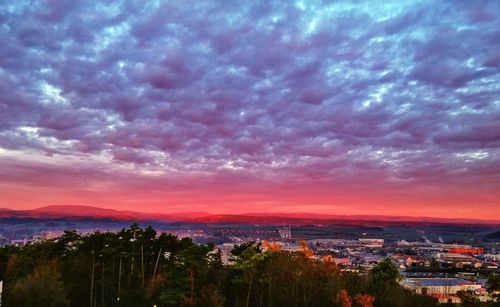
column 83, row 212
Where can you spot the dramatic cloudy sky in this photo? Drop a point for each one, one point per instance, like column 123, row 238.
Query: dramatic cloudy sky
column 342, row 107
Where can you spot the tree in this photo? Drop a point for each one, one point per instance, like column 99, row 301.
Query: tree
column 305, row 249
column 248, row 247
column 364, row 300
column 493, row 286
column 385, row 272
column 134, row 267
column 195, row 260
column 248, row 262
column 43, row 287
column 211, row 296
column 344, row 299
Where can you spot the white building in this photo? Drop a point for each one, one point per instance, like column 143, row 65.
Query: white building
column 430, row 286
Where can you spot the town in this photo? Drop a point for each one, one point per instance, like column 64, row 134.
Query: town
column 437, row 269
column 445, row 268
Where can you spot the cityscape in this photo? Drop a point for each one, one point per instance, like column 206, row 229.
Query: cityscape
column 446, row 261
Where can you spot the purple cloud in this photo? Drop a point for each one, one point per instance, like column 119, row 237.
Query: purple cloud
column 283, row 91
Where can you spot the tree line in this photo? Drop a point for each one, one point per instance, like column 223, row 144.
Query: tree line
column 138, row 267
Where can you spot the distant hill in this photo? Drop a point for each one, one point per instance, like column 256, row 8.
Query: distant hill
column 315, row 219
column 79, row 212
column 68, row 211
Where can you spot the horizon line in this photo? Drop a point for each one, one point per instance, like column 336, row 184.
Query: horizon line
column 297, row 215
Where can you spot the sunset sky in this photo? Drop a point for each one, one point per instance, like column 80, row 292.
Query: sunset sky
column 341, row 107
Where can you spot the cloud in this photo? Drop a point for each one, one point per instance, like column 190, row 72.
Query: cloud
column 268, row 92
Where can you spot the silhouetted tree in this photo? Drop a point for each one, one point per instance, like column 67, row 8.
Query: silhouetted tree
column 42, row 287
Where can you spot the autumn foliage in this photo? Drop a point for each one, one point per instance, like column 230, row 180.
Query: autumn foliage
column 344, row 299
column 364, row 300
column 270, row 246
column 305, row 249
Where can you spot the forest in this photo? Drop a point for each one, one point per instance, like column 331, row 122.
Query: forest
column 139, row 267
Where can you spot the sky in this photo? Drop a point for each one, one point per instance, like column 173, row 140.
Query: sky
column 329, row 107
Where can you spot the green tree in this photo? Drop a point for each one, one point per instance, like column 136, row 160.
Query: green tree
column 211, row 296
column 493, row 286
column 43, row 287
column 249, row 248
column 249, row 256
column 385, row 272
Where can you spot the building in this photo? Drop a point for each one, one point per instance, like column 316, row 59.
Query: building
column 492, row 257
column 410, row 260
column 466, row 251
column 285, row 232
column 372, row 242
column 452, row 257
column 226, row 253
column 433, row 286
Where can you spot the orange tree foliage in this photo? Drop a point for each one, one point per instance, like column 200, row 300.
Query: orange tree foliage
column 305, row 249
column 270, row 246
column 364, row 300
column 344, row 299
